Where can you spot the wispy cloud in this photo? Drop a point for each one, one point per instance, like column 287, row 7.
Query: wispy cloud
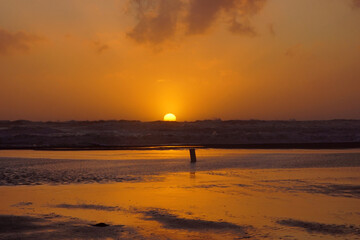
column 272, row 30
column 16, row 41
column 100, row 47
column 242, row 28
column 160, row 20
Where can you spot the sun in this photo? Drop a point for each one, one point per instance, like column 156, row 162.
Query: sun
column 170, row 117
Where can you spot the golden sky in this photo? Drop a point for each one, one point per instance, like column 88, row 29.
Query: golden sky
column 199, row 59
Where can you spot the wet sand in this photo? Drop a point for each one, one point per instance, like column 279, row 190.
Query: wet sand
column 267, row 194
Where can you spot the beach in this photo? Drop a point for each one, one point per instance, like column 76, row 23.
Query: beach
column 151, row 194
column 179, row 120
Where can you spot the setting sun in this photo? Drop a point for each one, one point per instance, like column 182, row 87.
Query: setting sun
column 169, row 117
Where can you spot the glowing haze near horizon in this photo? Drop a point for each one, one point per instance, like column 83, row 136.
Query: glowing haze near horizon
column 200, row 59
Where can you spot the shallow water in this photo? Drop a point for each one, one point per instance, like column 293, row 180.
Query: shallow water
column 227, row 194
column 26, row 167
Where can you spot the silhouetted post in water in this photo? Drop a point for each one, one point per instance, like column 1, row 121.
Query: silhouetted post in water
column 192, row 155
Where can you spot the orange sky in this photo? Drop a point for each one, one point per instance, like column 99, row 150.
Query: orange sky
column 200, row 59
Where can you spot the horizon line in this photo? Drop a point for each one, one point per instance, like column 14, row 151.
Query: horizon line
column 199, row 120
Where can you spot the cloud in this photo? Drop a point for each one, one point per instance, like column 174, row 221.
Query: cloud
column 203, row 13
column 272, row 30
column 100, row 47
column 16, row 41
column 356, row 3
column 241, row 28
column 156, row 20
column 160, row 20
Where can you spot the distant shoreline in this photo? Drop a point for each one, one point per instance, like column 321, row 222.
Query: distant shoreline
column 320, row 145
column 132, row 135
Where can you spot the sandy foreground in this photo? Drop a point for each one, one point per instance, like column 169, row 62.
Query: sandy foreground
column 228, row 194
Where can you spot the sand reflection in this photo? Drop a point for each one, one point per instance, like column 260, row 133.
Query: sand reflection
column 214, row 205
column 82, row 199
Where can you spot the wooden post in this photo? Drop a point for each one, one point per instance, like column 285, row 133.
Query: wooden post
column 192, row 155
